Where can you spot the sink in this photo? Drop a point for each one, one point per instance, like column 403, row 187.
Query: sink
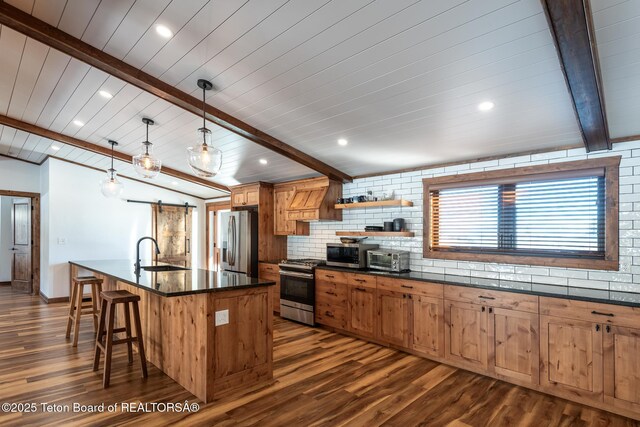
column 164, row 268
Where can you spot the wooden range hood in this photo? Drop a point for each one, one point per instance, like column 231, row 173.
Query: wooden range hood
column 314, row 200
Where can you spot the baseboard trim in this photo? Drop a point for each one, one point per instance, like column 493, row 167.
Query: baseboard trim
column 5, row 283
column 48, row 300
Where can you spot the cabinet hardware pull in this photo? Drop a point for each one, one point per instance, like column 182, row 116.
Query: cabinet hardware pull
column 332, row 293
column 409, row 296
column 608, row 329
column 328, row 313
column 597, row 328
column 483, row 309
column 490, row 310
column 406, row 286
column 360, row 280
column 483, row 297
column 404, row 296
column 330, row 276
column 603, row 314
column 361, row 289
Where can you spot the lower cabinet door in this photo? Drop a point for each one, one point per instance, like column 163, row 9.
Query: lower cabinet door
column 466, row 333
column 393, row 323
column 571, row 356
column 427, row 325
column 622, row 367
column 514, row 344
column 362, row 310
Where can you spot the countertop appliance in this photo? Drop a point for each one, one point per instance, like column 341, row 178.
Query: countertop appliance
column 388, row 260
column 298, row 289
column 351, row 255
column 240, row 242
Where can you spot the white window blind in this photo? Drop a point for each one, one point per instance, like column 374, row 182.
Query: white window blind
column 557, row 217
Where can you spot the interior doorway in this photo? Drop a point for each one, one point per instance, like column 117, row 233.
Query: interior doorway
column 213, row 233
column 20, row 241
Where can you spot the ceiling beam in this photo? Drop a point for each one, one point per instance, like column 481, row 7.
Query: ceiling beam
column 569, row 24
column 98, row 149
column 39, row 30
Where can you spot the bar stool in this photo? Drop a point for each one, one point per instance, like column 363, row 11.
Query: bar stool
column 76, row 309
column 110, row 299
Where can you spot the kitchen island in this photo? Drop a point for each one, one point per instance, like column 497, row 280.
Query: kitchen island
column 209, row 331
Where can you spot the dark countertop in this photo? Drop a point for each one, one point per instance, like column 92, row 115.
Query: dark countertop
column 173, row 283
column 631, row 299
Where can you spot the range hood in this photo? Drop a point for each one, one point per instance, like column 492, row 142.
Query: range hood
column 314, row 200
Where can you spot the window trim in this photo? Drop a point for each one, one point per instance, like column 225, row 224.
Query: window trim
column 610, row 165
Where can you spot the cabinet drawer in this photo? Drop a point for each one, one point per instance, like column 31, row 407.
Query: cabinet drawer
column 499, row 299
column 361, row 280
column 410, row 286
column 334, row 293
column 265, row 269
column 331, row 315
column 590, row 311
column 331, row 276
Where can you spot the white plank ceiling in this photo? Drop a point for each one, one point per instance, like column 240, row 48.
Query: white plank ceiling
column 401, row 79
column 617, row 28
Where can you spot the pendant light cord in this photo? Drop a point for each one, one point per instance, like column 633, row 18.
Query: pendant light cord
column 146, row 146
column 112, row 157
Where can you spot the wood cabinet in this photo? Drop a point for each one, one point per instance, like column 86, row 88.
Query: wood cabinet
column 269, row 271
column 283, row 226
column 571, row 355
column 394, row 322
column 362, row 313
column 427, row 325
column 621, row 359
column 245, row 195
column 466, row 334
column 313, row 200
column 331, row 299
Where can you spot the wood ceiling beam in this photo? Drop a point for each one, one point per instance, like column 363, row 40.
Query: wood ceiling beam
column 569, row 22
column 39, row 30
column 98, row 149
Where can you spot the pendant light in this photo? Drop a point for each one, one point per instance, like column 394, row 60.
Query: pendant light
column 110, row 186
column 145, row 164
column 204, row 159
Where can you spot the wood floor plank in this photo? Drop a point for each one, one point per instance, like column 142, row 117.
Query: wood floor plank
column 321, row 378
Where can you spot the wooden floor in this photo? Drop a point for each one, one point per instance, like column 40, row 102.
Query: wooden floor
column 320, row 378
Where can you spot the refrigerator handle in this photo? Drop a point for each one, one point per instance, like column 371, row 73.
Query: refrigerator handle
column 229, row 243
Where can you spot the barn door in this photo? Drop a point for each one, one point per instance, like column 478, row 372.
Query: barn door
column 172, row 229
column 21, row 274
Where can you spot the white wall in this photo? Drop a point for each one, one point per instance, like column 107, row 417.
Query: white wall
column 5, row 239
column 19, row 176
column 84, row 225
column 409, row 186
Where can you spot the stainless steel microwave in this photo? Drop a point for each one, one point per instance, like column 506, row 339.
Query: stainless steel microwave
column 350, row 255
column 388, row 260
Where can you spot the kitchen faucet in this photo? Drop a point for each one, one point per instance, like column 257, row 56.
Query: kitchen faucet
column 137, row 264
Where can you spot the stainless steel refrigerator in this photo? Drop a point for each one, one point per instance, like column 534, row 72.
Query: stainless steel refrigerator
column 240, row 242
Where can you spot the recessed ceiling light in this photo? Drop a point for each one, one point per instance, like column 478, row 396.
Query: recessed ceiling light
column 263, row 161
column 485, row 106
column 78, row 123
column 55, row 147
column 342, row 142
column 164, row 31
column 105, row 94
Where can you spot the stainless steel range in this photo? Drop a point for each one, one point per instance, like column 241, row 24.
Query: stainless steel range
column 297, row 289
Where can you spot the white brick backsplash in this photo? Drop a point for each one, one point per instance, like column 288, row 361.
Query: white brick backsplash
column 408, row 185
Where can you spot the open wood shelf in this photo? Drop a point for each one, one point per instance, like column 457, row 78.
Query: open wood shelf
column 374, row 204
column 376, row 233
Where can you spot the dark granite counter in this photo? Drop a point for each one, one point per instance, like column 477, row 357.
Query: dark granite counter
column 631, row 299
column 172, row 283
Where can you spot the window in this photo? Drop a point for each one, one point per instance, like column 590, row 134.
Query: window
column 563, row 215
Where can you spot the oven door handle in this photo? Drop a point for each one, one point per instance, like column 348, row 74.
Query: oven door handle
column 296, row 274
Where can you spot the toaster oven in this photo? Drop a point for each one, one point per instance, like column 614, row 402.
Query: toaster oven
column 388, row 260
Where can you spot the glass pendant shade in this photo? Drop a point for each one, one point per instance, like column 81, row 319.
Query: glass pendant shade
column 110, row 186
column 145, row 164
column 204, row 159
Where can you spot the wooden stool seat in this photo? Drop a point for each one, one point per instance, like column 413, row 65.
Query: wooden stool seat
column 110, row 300
column 119, row 297
column 77, row 309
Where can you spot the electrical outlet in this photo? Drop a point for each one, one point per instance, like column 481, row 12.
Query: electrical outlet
column 62, row 240
column 222, row 317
